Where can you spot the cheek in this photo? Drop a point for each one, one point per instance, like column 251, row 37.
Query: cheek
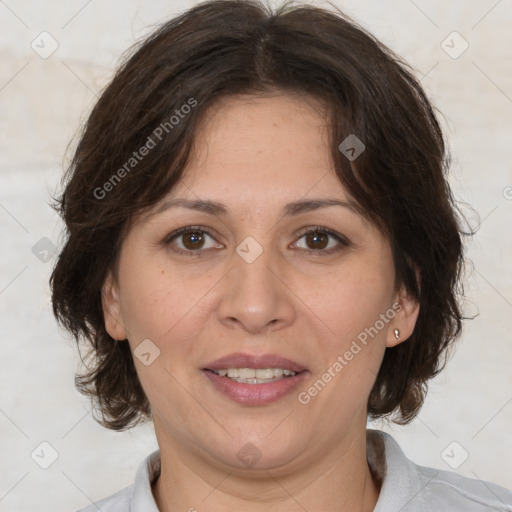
column 353, row 300
column 351, row 357
column 162, row 304
column 352, row 307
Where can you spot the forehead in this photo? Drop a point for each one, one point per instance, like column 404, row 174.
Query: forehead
column 258, row 148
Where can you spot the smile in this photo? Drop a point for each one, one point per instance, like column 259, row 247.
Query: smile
column 255, row 375
column 254, row 391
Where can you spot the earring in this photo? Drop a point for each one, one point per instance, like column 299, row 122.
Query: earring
column 397, row 334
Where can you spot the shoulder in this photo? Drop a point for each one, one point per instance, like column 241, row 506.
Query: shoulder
column 137, row 497
column 408, row 487
column 442, row 488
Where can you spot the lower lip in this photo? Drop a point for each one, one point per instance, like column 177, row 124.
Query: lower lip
column 255, row 394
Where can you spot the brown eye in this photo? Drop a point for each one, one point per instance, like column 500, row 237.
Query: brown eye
column 316, row 240
column 191, row 240
column 321, row 241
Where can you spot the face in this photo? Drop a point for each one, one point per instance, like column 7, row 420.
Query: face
column 266, row 273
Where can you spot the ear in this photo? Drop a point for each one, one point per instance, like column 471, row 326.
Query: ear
column 112, row 309
column 406, row 313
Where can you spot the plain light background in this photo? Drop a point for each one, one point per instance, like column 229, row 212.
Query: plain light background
column 43, row 101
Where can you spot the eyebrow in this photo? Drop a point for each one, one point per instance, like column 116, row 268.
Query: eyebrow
column 289, row 210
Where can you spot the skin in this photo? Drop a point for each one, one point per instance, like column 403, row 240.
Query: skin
column 255, row 155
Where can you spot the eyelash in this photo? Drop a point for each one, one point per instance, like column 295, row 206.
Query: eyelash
column 342, row 241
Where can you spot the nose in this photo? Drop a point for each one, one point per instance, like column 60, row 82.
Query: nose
column 256, row 296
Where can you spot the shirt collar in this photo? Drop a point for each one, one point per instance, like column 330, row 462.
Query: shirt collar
column 147, row 473
column 400, row 481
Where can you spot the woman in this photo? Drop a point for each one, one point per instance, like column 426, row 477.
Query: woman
column 263, row 251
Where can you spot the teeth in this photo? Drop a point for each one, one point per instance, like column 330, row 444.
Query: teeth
column 262, row 374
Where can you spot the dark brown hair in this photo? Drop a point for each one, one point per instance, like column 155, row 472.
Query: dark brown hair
column 228, row 47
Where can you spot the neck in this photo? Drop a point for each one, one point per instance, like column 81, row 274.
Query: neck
column 339, row 479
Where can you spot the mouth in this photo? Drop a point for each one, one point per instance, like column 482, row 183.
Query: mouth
column 254, row 375
column 240, row 360
column 254, row 380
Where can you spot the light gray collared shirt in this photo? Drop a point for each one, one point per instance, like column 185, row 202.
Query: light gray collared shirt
column 406, row 486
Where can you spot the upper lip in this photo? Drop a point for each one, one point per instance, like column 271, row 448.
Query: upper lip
column 241, row 360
